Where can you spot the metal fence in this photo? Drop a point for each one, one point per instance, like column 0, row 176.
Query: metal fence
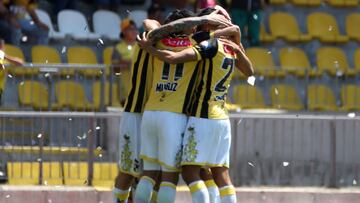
column 268, row 148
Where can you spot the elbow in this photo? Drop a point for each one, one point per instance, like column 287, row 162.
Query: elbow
column 170, row 59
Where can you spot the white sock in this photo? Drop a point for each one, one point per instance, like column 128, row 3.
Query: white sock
column 120, row 196
column 213, row 190
column 144, row 190
column 228, row 194
column 167, row 193
column 199, row 192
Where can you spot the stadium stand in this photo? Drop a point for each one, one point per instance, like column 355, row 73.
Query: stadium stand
column 104, row 174
column 75, row 173
column 110, row 29
column 115, row 101
column 352, row 26
column 350, row 98
column 321, row 98
column 138, row 16
column 248, row 97
column 333, row 61
column 83, row 55
column 23, row 173
column 45, row 18
column 285, row 97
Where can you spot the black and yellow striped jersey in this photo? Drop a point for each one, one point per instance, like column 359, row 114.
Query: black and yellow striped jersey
column 217, row 68
column 173, row 84
column 141, row 80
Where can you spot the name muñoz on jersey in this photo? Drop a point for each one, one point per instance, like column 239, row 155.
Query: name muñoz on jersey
column 173, row 84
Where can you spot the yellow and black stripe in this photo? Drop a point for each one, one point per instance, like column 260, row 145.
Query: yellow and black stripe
column 140, row 82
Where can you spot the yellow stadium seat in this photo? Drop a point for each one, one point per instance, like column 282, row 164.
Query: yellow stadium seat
column 343, row 3
column 263, row 62
column 352, row 26
column 34, row 94
column 357, row 60
column 307, row 2
column 285, row 97
column 104, row 174
column 321, row 98
column 72, row 95
column 23, row 173
column 97, row 91
column 333, row 59
column 264, row 36
column 107, row 58
column 52, row 173
column 75, row 173
column 284, row 25
column 46, row 54
column 350, row 98
column 16, row 51
column 248, row 97
column 277, row 2
column 83, row 55
column 295, row 61
column 324, row 27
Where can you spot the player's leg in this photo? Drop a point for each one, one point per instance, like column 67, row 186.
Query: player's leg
column 220, row 169
column 197, row 149
column 170, row 148
column 223, row 181
column 149, row 154
column 129, row 155
column 213, row 190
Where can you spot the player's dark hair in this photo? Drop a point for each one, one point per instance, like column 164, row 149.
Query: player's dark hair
column 178, row 14
column 206, row 11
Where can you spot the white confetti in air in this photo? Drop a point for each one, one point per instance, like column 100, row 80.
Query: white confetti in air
column 354, row 182
column 100, row 155
column 2, row 173
column 98, row 148
column 39, row 135
column 269, row 52
column 70, row 119
column 128, row 11
column 251, row 80
column 255, row 17
column 10, row 76
column 49, row 201
column 285, row 163
column 85, row 28
column 351, row 115
column 45, row 182
column 276, row 91
column 330, row 28
column 251, row 164
column 7, row 196
column 97, row 128
column 46, row 61
column 63, row 50
column 24, row 38
column 84, row 136
column 117, row 74
column 68, row 76
column 32, row 22
column 39, row 159
column 101, row 41
column 238, row 123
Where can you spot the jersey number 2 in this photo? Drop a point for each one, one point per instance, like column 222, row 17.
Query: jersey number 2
column 178, row 71
column 227, row 64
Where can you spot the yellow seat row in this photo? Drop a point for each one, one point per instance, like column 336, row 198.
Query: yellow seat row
column 319, row 98
column 56, row 173
column 336, row 3
column 331, row 60
column 69, row 94
column 46, row 54
column 320, row 25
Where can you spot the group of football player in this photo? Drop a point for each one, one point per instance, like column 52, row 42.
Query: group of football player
column 175, row 119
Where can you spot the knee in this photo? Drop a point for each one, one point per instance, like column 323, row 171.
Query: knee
column 190, row 174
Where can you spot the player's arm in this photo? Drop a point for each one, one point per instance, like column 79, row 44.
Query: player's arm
column 242, row 62
column 150, row 24
column 232, row 32
column 14, row 60
column 185, row 24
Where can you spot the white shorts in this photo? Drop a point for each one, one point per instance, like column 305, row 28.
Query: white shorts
column 162, row 134
column 207, row 142
column 129, row 143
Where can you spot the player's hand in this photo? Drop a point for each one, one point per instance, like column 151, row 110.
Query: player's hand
column 143, row 42
column 218, row 20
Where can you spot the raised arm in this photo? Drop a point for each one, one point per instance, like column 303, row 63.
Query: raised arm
column 188, row 54
column 242, row 62
column 232, row 32
column 187, row 23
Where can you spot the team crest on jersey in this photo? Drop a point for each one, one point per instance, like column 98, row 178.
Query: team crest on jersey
column 166, row 87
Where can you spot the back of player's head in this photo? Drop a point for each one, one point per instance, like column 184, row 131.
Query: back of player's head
column 206, row 11
column 178, row 14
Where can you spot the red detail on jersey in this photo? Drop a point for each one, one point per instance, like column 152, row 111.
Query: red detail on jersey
column 228, row 50
column 176, row 42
